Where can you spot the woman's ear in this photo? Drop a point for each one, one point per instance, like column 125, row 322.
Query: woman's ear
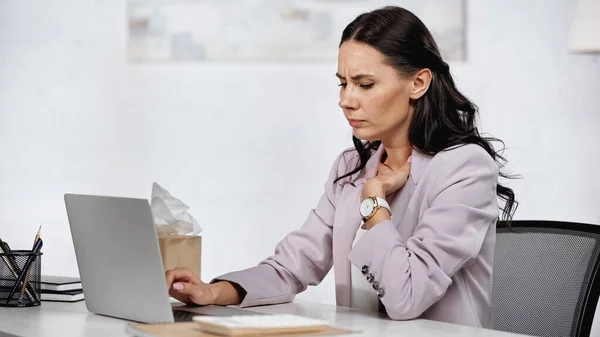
column 421, row 82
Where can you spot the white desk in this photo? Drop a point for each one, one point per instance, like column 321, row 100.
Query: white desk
column 73, row 320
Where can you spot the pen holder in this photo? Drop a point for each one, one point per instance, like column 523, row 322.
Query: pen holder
column 11, row 267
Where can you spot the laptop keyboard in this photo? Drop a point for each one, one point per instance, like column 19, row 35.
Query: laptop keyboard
column 184, row 316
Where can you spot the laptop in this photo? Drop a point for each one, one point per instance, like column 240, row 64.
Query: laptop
column 119, row 261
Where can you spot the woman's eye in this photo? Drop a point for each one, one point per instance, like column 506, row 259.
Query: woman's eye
column 367, row 86
column 342, row 85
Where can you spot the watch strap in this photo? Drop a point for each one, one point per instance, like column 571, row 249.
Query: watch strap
column 383, row 203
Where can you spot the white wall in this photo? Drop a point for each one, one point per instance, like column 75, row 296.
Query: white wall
column 75, row 117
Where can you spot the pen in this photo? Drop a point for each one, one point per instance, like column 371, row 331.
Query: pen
column 36, row 250
column 14, row 268
column 7, row 250
column 26, row 281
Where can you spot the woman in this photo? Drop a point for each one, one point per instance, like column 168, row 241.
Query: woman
column 408, row 216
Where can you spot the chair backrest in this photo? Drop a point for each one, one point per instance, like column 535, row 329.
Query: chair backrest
column 546, row 279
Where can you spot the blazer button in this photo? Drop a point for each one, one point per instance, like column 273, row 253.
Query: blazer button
column 365, row 270
column 380, row 292
column 376, row 285
column 370, row 277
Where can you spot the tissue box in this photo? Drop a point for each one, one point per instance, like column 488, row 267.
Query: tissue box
column 181, row 251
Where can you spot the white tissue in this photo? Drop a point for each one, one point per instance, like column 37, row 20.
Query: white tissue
column 170, row 214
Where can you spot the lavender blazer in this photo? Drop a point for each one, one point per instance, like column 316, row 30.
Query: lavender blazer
column 433, row 259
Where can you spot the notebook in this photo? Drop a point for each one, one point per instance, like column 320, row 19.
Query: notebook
column 252, row 325
column 193, row 329
column 60, row 283
column 62, row 296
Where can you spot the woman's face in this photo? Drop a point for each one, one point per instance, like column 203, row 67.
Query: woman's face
column 375, row 98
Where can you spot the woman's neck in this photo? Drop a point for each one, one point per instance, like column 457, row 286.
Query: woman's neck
column 397, row 153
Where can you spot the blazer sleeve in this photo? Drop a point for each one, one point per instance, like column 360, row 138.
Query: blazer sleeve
column 302, row 258
column 463, row 206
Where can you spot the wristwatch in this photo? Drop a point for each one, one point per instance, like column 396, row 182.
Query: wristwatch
column 370, row 205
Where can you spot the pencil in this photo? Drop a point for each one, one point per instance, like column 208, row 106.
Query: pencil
column 37, row 236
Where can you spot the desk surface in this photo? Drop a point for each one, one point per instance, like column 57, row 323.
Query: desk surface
column 73, row 320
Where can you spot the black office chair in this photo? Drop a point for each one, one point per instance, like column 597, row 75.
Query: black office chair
column 546, row 280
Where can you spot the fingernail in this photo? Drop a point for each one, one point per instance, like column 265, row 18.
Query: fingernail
column 178, row 286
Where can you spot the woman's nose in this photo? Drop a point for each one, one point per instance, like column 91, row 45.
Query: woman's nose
column 347, row 102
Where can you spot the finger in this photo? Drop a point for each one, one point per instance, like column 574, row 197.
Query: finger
column 180, row 275
column 400, row 176
column 383, row 169
column 173, row 275
column 396, row 179
column 191, row 291
column 178, row 295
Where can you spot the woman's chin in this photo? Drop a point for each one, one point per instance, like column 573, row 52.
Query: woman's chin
column 364, row 135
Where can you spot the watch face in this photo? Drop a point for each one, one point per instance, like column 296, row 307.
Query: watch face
column 367, row 206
